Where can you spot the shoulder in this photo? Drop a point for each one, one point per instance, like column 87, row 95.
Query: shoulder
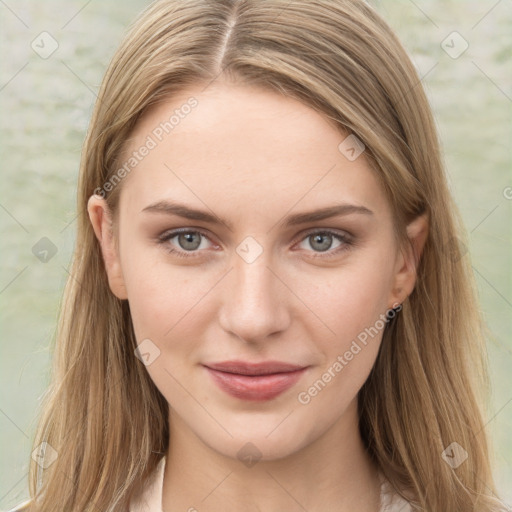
column 151, row 499
column 390, row 500
column 26, row 506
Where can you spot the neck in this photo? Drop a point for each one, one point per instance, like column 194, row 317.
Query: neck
column 333, row 472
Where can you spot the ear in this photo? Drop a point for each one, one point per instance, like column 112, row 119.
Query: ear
column 408, row 259
column 101, row 220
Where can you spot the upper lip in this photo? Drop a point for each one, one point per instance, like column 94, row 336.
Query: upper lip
column 246, row 368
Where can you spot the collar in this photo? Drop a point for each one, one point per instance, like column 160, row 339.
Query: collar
column 151, row 499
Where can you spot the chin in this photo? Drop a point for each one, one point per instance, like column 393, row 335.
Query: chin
column 261, row 441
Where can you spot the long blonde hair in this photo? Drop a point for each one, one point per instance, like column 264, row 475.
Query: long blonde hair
column 104, row 416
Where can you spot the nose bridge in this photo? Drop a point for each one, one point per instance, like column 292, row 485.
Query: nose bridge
column 253, row 307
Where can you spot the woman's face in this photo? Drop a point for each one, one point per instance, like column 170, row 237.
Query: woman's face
column 257, row 276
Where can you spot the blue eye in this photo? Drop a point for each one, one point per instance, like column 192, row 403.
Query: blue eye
column 322, row 241
column 189, row 243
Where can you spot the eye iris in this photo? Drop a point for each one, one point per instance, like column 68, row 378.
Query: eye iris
column 327, row 241
column 320, row 241
column 189, row 243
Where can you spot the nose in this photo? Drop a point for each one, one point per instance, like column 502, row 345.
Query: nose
column 255, row 303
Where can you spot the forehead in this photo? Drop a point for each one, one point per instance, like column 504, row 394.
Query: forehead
column 246, row 148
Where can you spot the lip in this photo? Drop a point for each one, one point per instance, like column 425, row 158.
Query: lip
column 255, row 381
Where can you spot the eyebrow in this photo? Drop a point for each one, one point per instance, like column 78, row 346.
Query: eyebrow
column 182, row 210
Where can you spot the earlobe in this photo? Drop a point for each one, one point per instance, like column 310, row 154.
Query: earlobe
column 101, row 220
column 408, row 259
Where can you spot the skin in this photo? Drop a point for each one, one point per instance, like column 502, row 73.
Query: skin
column 253, row 157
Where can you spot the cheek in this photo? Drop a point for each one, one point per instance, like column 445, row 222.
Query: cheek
column 161, row 300
column 347, row 299
column 167, row 301
column 351, row 298
column 155, row 292
column 354, row 311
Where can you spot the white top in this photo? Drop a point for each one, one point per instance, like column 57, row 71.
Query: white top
column 151, row 499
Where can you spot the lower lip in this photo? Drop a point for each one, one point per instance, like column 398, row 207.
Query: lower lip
column 256, row 388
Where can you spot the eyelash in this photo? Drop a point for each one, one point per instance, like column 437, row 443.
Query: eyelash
column 347, row 242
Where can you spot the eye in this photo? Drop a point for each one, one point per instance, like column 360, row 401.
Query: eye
column 187, row 241
column 321, row 241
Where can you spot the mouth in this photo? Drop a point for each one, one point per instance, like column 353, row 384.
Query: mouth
column 255, row 381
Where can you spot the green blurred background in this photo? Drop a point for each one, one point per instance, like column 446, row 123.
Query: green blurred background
column 46, row 102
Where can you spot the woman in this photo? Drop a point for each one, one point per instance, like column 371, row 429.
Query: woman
column 268, row 308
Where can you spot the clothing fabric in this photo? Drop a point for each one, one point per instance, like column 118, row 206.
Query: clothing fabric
column 151, row 499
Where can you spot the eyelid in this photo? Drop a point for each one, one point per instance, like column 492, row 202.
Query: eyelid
column 345, row 237
column 166, row 236
column 338, row 232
